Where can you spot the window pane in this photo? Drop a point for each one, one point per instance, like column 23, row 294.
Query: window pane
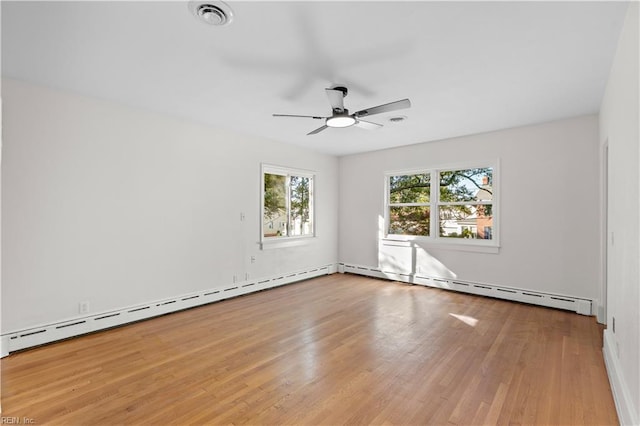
column 466, row 185
column 300, row 206
column 409, row 188
column 409, row 220
column 275, row 205
column 467, row 221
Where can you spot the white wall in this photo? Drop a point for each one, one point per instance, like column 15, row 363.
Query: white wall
column 118, row 206
column 619, row 126
column 549, row 207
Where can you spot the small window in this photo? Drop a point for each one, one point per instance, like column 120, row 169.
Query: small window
column 287, row 203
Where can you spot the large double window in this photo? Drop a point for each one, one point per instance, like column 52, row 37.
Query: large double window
column 287, row 208
column 448, row 204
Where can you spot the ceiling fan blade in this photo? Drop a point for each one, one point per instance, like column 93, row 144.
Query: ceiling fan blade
column 367, row 125
column 318, row 130
column 301, row 116
column 391, row 106
column 336, row 99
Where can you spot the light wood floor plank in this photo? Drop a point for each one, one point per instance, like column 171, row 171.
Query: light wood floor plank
column 340, row 349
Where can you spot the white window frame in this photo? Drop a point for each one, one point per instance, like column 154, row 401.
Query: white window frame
column 479, row 245
column 287, row 241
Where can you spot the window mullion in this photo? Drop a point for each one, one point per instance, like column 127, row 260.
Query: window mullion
column 288, row 205
column 433, row 209
column 409, row 204
column 466, row 203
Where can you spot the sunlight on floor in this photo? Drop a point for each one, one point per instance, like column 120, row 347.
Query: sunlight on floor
column 465, row 319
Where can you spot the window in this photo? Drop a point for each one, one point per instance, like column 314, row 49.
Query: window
column 409, row 205
column 465, row 203
column 443, row 205
column 287, row 203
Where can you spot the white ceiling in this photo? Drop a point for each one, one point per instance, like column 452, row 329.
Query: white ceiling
column 468, row 67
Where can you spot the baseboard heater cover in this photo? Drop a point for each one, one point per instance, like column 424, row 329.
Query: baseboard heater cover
column 35, row 336
column 579, row 305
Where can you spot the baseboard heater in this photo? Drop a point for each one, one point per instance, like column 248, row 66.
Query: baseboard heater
column 35, row 336
column 579, row 305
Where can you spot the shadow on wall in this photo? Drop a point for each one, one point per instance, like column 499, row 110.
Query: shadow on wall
column 408, row 257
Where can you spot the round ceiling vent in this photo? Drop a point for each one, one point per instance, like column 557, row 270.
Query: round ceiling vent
column 212, row 12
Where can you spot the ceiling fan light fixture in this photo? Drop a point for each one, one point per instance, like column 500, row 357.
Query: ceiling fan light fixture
column 341, row 120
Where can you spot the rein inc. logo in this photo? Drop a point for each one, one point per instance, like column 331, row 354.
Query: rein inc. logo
column 7, row 420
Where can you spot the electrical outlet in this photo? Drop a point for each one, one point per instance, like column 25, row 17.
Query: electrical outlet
column 253, row 259
column 83, row 307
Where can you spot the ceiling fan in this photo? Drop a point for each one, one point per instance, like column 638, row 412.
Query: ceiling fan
column 340, row 116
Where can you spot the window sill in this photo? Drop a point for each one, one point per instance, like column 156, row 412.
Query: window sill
column 474, row 246
column 283, row 242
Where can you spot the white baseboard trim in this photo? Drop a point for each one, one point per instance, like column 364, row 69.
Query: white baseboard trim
column 35, row 336
column 577, row 304
column 4, row 346
column 621, row 396
column 600, row 316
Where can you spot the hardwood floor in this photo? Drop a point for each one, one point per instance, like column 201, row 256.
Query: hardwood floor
column 340, row 349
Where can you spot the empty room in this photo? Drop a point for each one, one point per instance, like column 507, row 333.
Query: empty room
column 320, row 212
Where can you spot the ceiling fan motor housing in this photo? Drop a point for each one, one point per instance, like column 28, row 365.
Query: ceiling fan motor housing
column 342, row 89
